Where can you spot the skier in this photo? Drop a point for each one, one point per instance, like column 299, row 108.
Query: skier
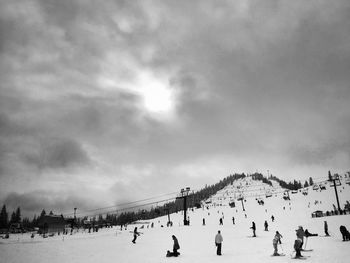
column 326, row 229
column 297, row 247
column 233, row 220
column 221, row 221
column 176, row 247
column 266, row 225
column 300, row 235
column 253, row 228
column 275, row 241
column 218, row 243
column 272, row 218
column 135, row 235
column 203, row 221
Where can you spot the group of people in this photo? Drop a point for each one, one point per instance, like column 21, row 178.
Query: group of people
column 298, row 243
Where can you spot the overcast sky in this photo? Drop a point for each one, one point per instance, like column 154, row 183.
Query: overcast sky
column 103, row 102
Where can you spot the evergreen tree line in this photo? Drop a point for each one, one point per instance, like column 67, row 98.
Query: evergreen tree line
column 194, row 199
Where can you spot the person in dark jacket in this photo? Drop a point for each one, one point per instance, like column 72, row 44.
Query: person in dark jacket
column 135, row 235
column 300, row 235
column 266, row 225
column 326, row 229
column 253, row 228
column 297, row 247
column 345, row 233
column 176, row 247
column 308, row 234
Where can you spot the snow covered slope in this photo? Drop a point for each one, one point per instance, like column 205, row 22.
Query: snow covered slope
column 197, row 240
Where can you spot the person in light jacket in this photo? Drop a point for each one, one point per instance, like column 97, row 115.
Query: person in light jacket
column 218, row 243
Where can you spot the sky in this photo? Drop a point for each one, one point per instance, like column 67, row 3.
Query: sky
column 105, row 102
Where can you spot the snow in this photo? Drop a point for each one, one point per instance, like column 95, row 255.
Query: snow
column 197, row 241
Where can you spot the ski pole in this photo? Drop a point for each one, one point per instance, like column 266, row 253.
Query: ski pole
column 281, row 247
column 305, row 243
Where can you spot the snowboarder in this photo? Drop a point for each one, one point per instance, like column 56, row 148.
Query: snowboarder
column 135, row 235
column 266, row 225
column 253, row 228
column 176, row 247
column 326, row 229
column 218, row 243
column 275, row 241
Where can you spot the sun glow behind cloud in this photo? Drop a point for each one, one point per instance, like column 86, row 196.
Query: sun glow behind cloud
column 157, row 96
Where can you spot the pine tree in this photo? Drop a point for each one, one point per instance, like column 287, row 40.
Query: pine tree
column 3, row 217
column 43, row 213
column 51, row 213
column 13, row 217
column 306, row 184
column 311, row 182
column 18, row 215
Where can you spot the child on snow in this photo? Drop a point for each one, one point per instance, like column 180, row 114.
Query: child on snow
column 275, row 241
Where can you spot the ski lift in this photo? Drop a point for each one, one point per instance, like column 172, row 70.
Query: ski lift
column 268, row 194
column 240, row 197
column 232, row 204
column 322, row 187
column 286, row 195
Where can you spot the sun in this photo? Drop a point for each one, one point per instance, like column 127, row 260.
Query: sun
column 156, row 93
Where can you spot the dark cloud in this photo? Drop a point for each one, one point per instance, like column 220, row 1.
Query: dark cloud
column 58, row 153
column 35, row 202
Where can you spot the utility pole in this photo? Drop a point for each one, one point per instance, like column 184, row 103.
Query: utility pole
column 336, row 182
column 184, row 194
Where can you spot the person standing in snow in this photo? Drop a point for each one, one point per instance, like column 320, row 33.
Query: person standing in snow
column 275, row 241
column 326, row 229
column 300, row 235
column 272, row 218
column 253, row 228
column 135, row 235
column 233, row 220
column 266, row 225
column 297, row 247
column 218, row 243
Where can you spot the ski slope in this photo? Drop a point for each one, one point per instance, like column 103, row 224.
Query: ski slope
column 197, row 241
